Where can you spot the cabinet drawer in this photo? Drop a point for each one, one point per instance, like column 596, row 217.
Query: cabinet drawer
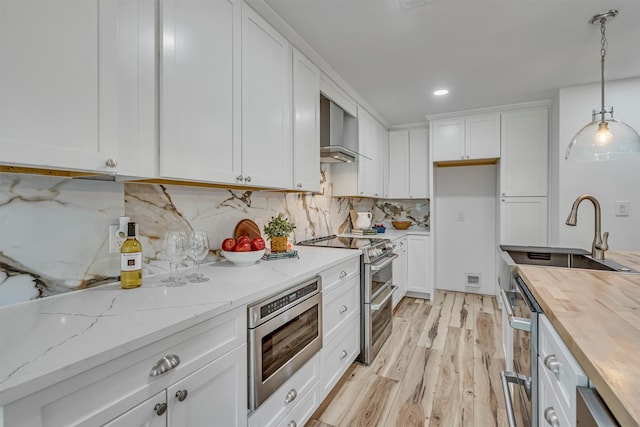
column 275, row 407
column 339, row 306
column 338, row 354
column 549, row 404
column 303, row 410
column 560, row 365
column 340, row 273
column 108, row 390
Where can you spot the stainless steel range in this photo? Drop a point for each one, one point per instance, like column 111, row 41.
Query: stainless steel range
column 376, row 288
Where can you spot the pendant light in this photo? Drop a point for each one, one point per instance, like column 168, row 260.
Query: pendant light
column 605, row 138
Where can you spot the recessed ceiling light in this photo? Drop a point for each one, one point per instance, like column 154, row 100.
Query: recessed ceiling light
column 441, row 92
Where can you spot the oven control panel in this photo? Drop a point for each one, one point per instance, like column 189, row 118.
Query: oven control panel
column 277, row 304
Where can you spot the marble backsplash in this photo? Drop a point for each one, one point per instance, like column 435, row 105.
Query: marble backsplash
column 53, row 231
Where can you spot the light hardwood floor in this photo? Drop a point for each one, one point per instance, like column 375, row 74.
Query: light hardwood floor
column 440, row 367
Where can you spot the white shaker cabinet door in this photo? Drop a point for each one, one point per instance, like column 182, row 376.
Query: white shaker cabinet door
column 483, row 136
column 150, row 413
column 448, row 139
column 419, row 265
column 67, row 94
column 215, row 395
column 266, row 104
column 200, row 90
column 524, row 221
column 418, row 164
column 306, row 124
column 398, row 181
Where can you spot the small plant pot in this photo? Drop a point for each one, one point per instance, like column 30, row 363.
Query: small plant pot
column 279, row 243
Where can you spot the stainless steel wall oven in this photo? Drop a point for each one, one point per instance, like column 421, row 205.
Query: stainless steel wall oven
column 522, row 312
column 285, row 331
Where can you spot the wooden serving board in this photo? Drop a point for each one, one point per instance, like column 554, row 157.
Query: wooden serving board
column 248, row 228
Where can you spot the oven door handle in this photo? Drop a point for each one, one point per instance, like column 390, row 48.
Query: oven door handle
column 520, row 323
column 387, row 260
column 511, row 377
column 379, row 305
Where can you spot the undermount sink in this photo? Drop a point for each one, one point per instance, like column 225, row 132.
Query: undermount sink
column 561, row 257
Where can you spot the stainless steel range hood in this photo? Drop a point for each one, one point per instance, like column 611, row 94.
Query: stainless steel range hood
column 334, row 148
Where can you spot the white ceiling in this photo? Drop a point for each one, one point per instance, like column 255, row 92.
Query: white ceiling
column 486, row 52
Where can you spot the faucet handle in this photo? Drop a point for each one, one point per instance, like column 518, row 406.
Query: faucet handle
column 605, row 246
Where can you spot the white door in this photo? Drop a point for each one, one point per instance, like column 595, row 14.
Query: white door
column 369, row 144
column 398, row 178
column 483, row 137
column 447, row 137
column 418, row 164
column 150, row 413
column 306, row 124
column 524, row 159
column 200, row 90
column 266, row 104
column 65, row 94
column 523, row 221
column 400, row 270
column 215, row 395
column 419, row 265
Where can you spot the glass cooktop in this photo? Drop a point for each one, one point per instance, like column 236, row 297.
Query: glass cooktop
column 334, row 241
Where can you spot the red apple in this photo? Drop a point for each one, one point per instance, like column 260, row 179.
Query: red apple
column 257, row 244
column 228, row 244
column 243, row 247
column 243, row 239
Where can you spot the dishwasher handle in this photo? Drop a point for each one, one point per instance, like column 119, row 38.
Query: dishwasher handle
column 515, row 322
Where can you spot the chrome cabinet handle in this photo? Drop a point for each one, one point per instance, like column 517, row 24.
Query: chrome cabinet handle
column 247, row 179
column 164, row 365
column 160, row 408
column 343, row 274
column 291, row 396
column 343, row 309
column 239, row 178
column 552, row 364
column 292, row 424
column 551, row 417
column 181, row 395
column 520, row 323
column 111, row 162
column 343, row 354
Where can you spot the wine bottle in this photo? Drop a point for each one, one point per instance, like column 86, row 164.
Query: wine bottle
column 131, row 260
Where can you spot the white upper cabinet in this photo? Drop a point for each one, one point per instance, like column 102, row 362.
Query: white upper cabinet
column 306, row 124
column 371, row 135
column 200, row 90
column 524, row 159
column 524, row 221
column 68, row 83
column 408, row 164
column 266, row 104
column 466, row 138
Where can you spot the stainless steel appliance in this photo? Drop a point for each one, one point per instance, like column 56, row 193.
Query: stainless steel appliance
column 522, row 312
column 285, row 331
column 337, row 144
column 376, row 288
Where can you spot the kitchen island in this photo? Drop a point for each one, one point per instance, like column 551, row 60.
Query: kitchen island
column 597, row 314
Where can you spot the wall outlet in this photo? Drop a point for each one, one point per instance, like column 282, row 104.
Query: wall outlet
column 116, row 239
column 622, row 208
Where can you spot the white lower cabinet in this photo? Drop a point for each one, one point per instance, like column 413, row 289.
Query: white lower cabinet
column 419, row 265
column 211, row 377
column 559, row 375
column 400, row 267
column 338, row 354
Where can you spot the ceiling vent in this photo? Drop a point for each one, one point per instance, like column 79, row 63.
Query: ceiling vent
column 410, row 4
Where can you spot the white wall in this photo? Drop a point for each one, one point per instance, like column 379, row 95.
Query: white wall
column 465, row 225
column 608, row 181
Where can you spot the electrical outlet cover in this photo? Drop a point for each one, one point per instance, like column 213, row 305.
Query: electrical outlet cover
column 115, row 240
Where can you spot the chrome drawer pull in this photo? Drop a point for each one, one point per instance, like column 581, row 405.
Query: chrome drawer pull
column 343, row 274
column 181, row 395
column 292, row 424
column 291, row 396
column 552, row 364
column 551, row 417
column 160, row 408
column 343, row 354
column 164, row 365
column 343, row 309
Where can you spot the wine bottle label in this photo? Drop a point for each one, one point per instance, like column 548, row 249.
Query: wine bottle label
column 131, row 262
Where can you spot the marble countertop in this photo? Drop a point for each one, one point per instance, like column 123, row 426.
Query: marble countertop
column 49, row 340
column 597, row 314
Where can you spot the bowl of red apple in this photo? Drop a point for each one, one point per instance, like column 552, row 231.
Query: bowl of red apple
column 243, row 250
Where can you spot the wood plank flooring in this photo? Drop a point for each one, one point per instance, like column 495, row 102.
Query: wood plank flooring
column 440, row 367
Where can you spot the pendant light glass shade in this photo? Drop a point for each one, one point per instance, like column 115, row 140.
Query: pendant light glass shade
column 605, row 138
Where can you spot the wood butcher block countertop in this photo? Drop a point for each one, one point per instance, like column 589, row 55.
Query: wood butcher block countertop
column 597, row 314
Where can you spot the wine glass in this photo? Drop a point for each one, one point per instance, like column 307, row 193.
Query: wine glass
column 175, row 250
column 197, row 250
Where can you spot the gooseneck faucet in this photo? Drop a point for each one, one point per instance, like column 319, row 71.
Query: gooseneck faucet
column 599, row 245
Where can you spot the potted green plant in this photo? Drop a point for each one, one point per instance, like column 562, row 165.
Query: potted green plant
column 277, row 231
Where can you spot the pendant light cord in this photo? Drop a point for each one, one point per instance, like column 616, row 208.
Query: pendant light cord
column 603, row 53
